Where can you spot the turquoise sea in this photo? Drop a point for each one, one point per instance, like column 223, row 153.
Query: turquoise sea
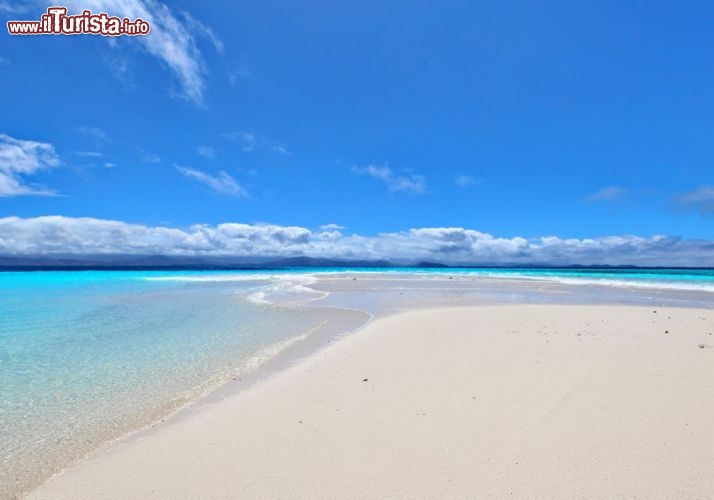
column 87, row 356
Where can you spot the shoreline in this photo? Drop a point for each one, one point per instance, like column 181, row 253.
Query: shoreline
column 198, row 410
column 262, row 365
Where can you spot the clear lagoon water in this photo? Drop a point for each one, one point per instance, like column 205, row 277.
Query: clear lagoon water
column 88, row 356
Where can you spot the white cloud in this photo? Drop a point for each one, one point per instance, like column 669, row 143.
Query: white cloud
column 331, row 227
column 221, row 183
column 18, row 159
column 172, row 38
column 415, row 184
column 608, row 193
column 206, row 152
column 453, row 245
column 465, row 181
column 252, row 141
column 701, row 199
column 198, row 27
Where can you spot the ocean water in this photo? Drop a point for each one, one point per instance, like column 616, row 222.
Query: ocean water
column 87, row 356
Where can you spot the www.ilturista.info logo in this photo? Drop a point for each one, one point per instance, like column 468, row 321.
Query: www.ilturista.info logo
column 57, row 22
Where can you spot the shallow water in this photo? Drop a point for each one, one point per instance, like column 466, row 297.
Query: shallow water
column 381, row 293
column 86, row 357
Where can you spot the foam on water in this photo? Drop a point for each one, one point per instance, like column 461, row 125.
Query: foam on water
column 283, row 289
column 286, row 293
column 672, row 279
column 675, row 279
column 659, row 284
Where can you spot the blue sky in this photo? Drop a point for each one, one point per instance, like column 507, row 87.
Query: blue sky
column 579, row 120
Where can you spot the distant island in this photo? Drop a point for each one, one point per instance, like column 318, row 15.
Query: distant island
column 170, row 262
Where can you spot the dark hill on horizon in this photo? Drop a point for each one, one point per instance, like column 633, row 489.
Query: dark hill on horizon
column 170, row 262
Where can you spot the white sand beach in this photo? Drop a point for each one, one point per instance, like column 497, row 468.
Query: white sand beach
column 538, row 401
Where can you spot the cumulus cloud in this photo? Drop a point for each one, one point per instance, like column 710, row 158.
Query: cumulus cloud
column 19, row 159
column 452, row 245
column 253, row 141
column 172, row 40
column 701, row 199
column 415, row 184
column 609, row 193
column 221, row 183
